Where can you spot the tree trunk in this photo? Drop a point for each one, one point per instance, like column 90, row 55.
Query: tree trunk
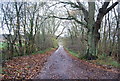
column 118, row 31
column 109, row 34
column 18, row 28
column 91, row 48
column 11, row 51
column 104, row 37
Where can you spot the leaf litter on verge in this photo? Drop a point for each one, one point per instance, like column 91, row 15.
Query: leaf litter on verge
column 26, row 66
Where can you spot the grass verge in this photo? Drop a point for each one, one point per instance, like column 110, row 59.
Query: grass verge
column 102, row 59
column 42, row 51
column 73, row 53
column 106, row 61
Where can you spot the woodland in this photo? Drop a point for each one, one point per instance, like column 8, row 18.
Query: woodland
column 32, row 31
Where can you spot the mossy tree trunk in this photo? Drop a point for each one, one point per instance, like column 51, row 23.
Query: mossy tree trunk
column 94, row 26
column 91, row 48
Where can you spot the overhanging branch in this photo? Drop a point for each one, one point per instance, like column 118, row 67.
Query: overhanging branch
column 111, row 7
column 70, row 18
column 80, row 7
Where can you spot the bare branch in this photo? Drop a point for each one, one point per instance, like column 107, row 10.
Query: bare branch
column 111, row 7
column 80, row 7
column 70, row 18
column 60, row 33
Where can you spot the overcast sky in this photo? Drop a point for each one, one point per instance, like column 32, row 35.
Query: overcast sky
column 61, row 26
column 55, row 0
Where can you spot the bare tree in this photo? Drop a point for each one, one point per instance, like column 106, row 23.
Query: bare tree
column 8, row 22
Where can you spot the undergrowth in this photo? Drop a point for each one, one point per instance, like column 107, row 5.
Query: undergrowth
column 42, row 51
column 102, row 59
